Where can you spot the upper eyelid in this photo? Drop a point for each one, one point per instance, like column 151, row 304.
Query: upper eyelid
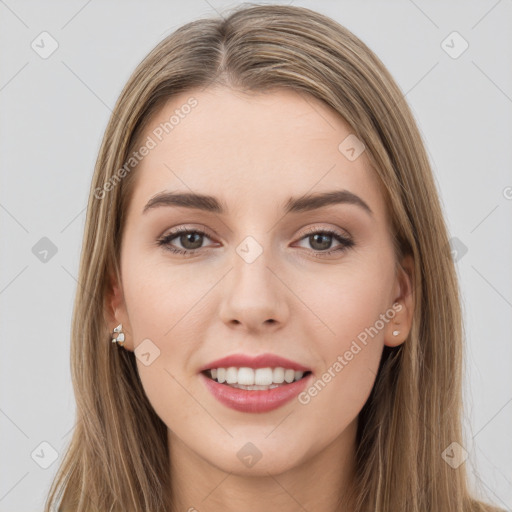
column 340, row 231
column 203, row 230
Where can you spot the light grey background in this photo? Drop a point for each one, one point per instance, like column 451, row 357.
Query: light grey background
column 54, row 112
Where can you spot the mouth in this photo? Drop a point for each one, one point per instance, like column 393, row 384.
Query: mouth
column 255, row 390
column 254, row 383
column 255, row 379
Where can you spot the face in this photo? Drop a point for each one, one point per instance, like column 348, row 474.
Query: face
column 269, row 272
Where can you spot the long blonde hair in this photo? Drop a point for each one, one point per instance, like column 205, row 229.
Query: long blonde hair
column 117, row 458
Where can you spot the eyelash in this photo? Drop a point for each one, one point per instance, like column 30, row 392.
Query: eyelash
column 346, row 242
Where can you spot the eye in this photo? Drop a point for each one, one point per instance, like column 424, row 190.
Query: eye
column 191, row 240
column 321, row 241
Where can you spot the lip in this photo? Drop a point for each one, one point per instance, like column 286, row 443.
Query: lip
column 259, row 361
column 254, row 401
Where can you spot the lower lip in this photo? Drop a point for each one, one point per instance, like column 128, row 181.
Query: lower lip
column 245, row 400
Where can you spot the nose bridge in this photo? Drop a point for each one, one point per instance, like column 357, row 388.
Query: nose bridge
column 251, row 264
column 252, row 294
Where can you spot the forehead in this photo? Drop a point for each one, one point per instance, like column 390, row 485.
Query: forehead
column 250, row 148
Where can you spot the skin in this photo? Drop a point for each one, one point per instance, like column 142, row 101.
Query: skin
column 254, row 151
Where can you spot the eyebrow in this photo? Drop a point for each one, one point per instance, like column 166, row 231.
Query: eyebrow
column 293, row 205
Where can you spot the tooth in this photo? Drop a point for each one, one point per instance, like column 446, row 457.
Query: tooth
column 246, row 376
column 231, row 375
column 289, row 375
column 263, row 376
column 221, row 375
column 278, row 375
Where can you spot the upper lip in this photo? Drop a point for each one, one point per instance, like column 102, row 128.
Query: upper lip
column 259, row 361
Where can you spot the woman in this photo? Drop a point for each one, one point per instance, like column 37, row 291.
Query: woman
column 266, row 249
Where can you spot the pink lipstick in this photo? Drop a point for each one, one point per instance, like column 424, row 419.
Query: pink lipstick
column 255, row 384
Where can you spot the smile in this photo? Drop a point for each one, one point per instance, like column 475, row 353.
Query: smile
column 258, row 379
column 254, row 384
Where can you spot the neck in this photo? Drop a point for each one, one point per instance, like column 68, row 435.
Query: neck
column 322, row 482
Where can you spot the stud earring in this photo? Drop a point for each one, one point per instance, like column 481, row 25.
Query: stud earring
column 396, row 333
column 119, row 339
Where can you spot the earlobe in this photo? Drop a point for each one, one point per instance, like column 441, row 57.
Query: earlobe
column 116, row 315
column 398, row 329
column 395, row 333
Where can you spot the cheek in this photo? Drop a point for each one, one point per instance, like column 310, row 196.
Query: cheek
column 158, row 296
column 165, row 305
column 354, row 307
column 352, row 301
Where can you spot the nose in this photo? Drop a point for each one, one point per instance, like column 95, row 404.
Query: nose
column 253, row 296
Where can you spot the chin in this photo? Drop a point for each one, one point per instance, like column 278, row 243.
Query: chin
column 257, row 456
column 269, row 464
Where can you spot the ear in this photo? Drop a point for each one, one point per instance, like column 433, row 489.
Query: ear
column 403, row 304
column 116, row 312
